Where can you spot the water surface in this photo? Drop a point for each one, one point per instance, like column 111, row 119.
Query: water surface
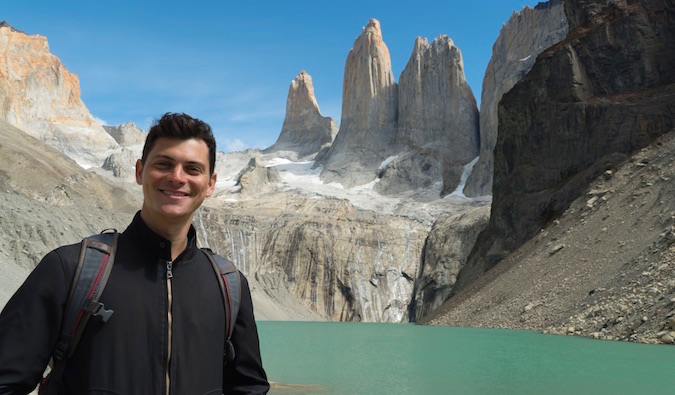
column 361, row 358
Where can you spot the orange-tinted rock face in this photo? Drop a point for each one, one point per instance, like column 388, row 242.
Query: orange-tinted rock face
column 41, row 97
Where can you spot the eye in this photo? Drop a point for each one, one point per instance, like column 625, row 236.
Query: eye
column 162, row 165
column 194, row 170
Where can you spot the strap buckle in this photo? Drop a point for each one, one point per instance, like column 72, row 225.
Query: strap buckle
column 98, row 309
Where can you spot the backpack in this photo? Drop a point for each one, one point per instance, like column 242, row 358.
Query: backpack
column 97, row 255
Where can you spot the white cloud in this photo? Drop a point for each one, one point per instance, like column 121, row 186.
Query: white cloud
column 233, row 145
column 101, row 121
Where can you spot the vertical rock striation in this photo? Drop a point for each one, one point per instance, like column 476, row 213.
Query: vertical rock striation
column 437, row 118
column 343, row 263
column 39, row 96
column 603, row 92
column 445, row 251
column 305, row 131
column 521, row 40
column 436, row 105
column 369, row 112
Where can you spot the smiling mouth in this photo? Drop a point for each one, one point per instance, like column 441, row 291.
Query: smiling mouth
column 173, row 193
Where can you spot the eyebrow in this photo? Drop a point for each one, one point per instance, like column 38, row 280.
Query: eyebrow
column 171, row 158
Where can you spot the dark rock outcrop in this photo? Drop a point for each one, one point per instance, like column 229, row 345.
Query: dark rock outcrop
column 445, row 252
column 603, row 92
column 304, row 131
column 521, row 40
column 369, row 112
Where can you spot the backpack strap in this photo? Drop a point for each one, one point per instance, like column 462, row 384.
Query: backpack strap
column 97, row 255
column 230, row 288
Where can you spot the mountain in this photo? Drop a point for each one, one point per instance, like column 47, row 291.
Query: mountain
column 437, row 127
column 41, row 97
column 122, row 161
column 304, row 132
column 526, row 34
column 586, row 109
column 580, row 233
column 369, row 112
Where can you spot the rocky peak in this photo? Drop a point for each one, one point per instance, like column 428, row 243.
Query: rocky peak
column 39, row 96
column 304, row 131
column 127, row 134
column 6, row 24
column 369, row 112
column 437, row 112
column 526, row 34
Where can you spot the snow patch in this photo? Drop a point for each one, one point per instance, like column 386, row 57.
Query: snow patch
column 459, row 191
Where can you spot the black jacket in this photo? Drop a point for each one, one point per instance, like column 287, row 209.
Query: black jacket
column 129, row 353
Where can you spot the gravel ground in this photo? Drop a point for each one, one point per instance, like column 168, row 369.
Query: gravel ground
column 603, row 269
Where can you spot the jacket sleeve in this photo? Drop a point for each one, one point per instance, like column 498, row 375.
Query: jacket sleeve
column 29, row 326
column 245, row 375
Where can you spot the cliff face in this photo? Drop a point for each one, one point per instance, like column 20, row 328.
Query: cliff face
column 343, row 263
column 445, row 252
column 603, row 92
column 436, row 105
column 369, row 112
column 521, row 40
column 122, row 161
column 437, row 118
column 39, row 96
column 304, row 131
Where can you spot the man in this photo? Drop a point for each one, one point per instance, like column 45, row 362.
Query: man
column 166, row 335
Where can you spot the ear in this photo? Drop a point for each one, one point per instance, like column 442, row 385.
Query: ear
column 212, row 184
column 139, row 172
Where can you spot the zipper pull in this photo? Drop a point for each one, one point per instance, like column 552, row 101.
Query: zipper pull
column 169, row 269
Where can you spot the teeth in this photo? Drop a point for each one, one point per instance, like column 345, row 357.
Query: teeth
column 174, row 193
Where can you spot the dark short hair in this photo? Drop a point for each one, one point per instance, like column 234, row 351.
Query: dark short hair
column 184, row 127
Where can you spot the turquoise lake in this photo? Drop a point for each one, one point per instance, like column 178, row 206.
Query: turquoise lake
column 362, row 358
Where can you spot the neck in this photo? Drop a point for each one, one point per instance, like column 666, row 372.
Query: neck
column 174, row 231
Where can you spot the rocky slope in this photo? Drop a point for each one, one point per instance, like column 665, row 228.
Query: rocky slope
column 526, row 34
column 437, row 125
column 48, row 200
column 304, row 132
column 605, row 91
column 605, row 268
column 369, row 112
column 39, row 96
column 610, row 83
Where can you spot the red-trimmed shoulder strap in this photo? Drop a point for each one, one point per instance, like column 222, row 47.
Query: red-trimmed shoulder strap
column 97, row 255
column 230, row 287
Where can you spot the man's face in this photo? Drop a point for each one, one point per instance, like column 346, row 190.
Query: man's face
column 175, row 179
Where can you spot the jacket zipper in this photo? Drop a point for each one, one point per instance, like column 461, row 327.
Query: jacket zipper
column 169, row 276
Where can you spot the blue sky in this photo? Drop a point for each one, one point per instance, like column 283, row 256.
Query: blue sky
column 231, row 63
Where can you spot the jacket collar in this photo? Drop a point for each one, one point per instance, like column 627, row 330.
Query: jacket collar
column 155, row 245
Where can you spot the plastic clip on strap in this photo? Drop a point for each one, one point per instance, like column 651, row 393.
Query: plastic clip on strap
column 97, row 256
column 97, row 309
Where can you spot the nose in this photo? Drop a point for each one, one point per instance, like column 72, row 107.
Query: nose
column 177, row 175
